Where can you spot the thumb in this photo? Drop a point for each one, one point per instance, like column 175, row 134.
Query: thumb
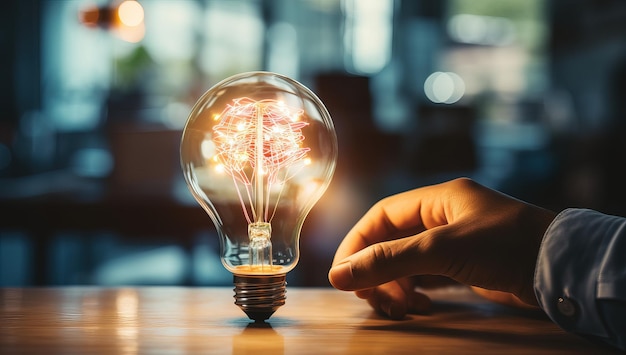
column 386, row 261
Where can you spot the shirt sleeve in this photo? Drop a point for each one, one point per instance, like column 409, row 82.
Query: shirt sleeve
column 580, row 277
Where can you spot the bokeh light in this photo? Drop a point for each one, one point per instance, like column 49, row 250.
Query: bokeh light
column 130, row 13
column 444, row 87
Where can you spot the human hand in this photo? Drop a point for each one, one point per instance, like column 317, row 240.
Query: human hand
column 458, row 229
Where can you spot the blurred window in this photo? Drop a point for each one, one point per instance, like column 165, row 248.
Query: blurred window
column 75, row 68
column 233, row 39
column 497, row 46
column 367, row 34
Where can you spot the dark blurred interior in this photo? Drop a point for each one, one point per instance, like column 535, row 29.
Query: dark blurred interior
column 525, row 96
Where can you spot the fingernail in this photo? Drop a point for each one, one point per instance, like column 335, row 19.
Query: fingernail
column 340, row 275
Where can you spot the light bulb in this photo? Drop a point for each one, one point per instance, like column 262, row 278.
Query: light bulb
column 257, row 152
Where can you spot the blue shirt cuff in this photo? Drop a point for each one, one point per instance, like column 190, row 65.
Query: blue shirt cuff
column 569, row 266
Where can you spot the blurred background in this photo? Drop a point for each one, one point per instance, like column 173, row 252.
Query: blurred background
column 525, row 96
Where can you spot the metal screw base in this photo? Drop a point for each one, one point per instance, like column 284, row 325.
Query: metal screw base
column 259, row 296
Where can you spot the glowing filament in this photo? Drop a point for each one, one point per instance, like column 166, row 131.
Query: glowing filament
column 259, row 144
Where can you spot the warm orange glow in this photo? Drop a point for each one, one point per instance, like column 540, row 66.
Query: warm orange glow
column 130, row 34
column 89, row 16
column 130, row 13
column 258, row 269
column 125, row 21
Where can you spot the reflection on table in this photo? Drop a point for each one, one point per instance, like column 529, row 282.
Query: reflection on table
column 313, row 321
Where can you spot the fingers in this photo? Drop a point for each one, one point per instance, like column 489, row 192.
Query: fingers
column 395, row 299
column 390, row 300
column 391, row 260
column 393, row 217
column 417, row 302
column 459, row 229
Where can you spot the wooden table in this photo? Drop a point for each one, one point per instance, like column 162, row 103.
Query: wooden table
column 179, row 320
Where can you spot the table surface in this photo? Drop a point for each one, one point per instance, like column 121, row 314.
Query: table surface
column 85, row 320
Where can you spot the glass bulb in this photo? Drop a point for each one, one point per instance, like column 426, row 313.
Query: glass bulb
column 258, row 150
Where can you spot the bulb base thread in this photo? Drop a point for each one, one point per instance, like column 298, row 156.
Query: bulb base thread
column 259, row 296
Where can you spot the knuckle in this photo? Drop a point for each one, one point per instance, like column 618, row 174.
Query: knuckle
column 435, row 244
column 381, row 253
column 464, row 183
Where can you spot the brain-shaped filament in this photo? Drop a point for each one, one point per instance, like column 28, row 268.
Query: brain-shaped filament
column 260, row 140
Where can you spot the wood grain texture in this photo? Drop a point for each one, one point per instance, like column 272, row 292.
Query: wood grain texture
column 178, row 320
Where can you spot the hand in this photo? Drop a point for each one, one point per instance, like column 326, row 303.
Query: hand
column 458, row 229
